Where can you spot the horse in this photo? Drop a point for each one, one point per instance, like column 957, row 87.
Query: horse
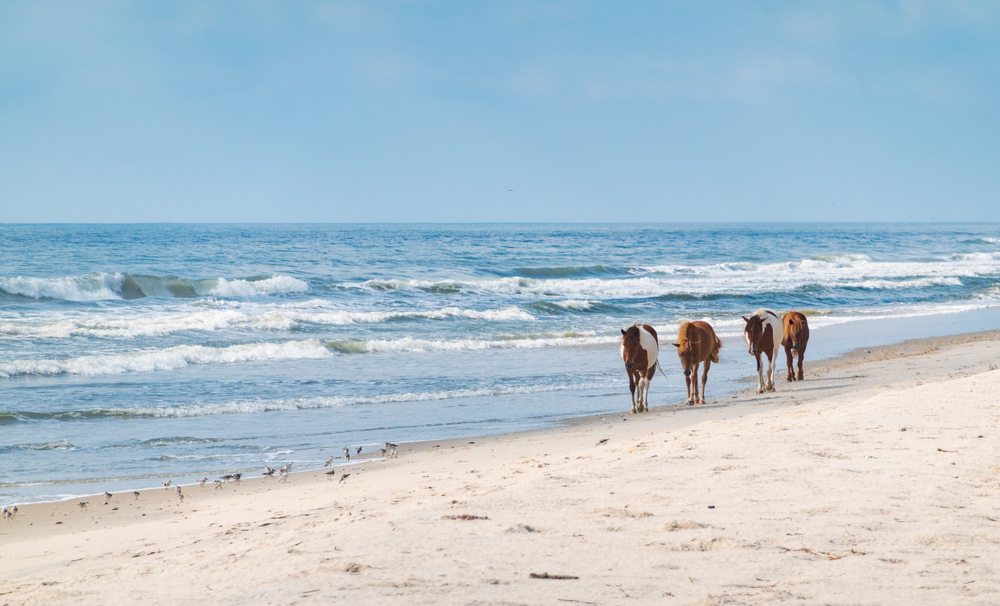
column 696, row 343
column 795, row 336
column 761, row 335
column 639, row 350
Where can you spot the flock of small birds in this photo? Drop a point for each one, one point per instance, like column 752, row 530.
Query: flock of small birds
column 387, row 449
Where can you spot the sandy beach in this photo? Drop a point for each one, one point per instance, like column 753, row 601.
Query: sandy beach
column 874, row 481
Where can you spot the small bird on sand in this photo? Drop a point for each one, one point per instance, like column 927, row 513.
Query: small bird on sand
column 347, row 453
column 269, row 472
column 6, row 514
column 202, row 481
column 180, row 497
column 343, row 477
column 135, row 493
column 287, row 468
column 283, row 475
column 83, row 504
column 382, row 450
column 166, row 485
column 236, row 478
column 329, row 462
column 218, row 484
column 392, row 448
column 13, row 512
column 227, row 478
column 359, row 451
column 107, row 497
column 331, row 473
column 178, row 490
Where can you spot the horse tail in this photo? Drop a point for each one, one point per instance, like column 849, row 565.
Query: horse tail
column 715, row 351
column 665, row 377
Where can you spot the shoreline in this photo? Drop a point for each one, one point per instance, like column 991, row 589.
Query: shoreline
column 731, row 388
column 875, row 478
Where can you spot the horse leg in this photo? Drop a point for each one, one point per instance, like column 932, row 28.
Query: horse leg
column 690, row 400
column 791, row 364
column 772, row 361
column 760, row 375
column 645, row 394
column 631, row 388
column 694, row 382
column 704, row 379
column 640, row 401
column 802, row 354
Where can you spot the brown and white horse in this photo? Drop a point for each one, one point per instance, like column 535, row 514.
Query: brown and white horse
column 761, row 333
column 795, row 331
column 696, row 343
column 640, row 348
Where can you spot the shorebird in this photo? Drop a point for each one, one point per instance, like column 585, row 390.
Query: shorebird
column 283, row 475
column 236, row 478
column 107, row 497
column 331, row 473
column 287, row 467
column 178, row 491
column 359, row 451
column 269, row 472
column 83, row 504
column 227, row 478
column 329, row 462
column 166, row 485
column 218, row 484
column 135, row 493
column 180, row 497
column 202, row 481
column 392, row 448
column 6, row 514
column 343, row 477
column 382, row 450
column 347, row 453
column 13, row 512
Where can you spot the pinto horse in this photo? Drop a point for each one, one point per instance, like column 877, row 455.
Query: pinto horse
column 761, row 334
column 795, row 337
column 640, row 348
column 696, row 343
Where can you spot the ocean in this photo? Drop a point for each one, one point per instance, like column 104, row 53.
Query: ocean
column 132, row 354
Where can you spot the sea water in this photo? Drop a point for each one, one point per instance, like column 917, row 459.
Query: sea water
column 131, row 354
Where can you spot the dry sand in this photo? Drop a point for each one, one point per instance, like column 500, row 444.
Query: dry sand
column 875, row 481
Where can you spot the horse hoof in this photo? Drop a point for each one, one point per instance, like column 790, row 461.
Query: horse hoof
column 701, row 401
column 760, row 390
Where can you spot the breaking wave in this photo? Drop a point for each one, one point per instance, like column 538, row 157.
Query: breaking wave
column 167, row 359
column 107, row 286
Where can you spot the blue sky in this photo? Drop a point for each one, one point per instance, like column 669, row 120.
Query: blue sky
column 499, row 111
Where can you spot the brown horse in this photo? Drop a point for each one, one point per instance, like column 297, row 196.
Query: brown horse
column 640, row 348
column 761, row 334
column 795, row 336
column 696, row 343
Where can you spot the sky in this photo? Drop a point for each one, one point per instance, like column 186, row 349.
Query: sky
column 502, row 111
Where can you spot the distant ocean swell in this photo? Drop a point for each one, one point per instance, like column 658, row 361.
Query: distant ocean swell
column 833, row 271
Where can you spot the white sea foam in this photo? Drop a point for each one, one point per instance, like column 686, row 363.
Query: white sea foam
column 167, row 359
column 723, row 278
column 409, row 344
column 109, row 324
column 576, row 304
column 92, row 287
column 253, row 288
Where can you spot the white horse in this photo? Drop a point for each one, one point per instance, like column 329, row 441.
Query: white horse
column 763, row 335
column 639, row 351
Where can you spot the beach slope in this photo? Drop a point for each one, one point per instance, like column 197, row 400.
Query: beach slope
column 875, row 481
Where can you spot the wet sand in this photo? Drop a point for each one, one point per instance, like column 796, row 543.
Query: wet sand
column 874, row 481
